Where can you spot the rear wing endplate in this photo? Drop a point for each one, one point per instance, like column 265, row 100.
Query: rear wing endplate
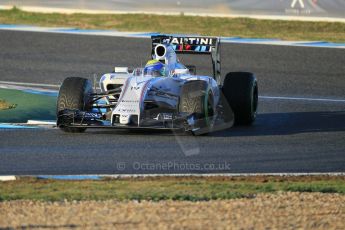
column 193, row 45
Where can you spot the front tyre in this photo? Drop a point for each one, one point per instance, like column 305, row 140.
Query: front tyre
column 241, row 92
column 74, row 94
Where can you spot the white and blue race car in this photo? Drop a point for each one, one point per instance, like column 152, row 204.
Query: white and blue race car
column 177, row 99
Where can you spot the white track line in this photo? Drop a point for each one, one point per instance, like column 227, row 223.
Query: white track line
column 28, row 84
column 7, row 178
column 261, row 97
column 221, row 174
column 40, row 122
column 302, row 99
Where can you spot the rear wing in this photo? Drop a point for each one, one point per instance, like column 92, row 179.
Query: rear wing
column 193, row 45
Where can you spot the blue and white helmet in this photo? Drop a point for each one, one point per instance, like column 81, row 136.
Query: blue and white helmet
column 154, row 68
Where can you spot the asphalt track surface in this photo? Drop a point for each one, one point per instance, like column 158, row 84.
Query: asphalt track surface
column 288, row 136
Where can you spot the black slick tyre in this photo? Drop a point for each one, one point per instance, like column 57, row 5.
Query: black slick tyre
column 74, row 94
column 240, row 90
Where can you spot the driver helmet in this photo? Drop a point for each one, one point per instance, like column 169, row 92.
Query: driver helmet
column 154, row 68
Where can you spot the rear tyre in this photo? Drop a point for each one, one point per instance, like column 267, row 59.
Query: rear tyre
column 196, row 98
column 74, row 94
column 241, row 92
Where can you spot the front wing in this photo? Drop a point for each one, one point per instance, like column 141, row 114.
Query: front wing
column 181, row 123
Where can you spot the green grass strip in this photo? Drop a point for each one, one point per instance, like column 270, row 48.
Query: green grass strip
column 28, row 106
column 242, row 27
column 156, row 189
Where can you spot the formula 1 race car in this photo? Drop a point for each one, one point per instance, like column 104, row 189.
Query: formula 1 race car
column 173, row 99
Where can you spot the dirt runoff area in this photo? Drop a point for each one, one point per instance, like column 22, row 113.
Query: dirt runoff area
column 289, row 210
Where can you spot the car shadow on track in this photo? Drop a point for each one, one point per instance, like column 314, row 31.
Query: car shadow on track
column 266, row 124
column 289, row 123
column 135, row 132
